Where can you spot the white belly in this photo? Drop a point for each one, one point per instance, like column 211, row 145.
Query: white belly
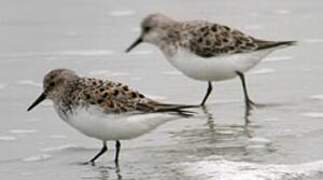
column 94, row 123
column 217, row 68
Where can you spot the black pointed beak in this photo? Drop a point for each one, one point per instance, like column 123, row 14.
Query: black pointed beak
column 41, row 98
column 133, row 45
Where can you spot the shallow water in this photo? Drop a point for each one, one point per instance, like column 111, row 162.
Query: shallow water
column 282, row 141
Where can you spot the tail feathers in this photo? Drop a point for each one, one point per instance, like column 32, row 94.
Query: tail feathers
column 272, row 44
column 167, row 108
column 176, row 108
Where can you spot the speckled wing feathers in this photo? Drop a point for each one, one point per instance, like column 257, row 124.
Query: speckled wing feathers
column 113, row 97
column 108, row 95
column 209, row 40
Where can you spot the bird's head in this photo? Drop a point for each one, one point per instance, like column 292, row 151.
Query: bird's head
column 154, row 28
column 54, row 85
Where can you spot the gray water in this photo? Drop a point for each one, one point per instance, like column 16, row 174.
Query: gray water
column 282, row 141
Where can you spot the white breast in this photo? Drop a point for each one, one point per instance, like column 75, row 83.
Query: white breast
column 94, row 123
column 217, row 68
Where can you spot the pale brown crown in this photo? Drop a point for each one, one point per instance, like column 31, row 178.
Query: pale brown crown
column 56, row 81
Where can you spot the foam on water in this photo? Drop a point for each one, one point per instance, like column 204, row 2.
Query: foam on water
column 35, row 158
column 256, row 146
column 259, row 140
column 22, row 131
column 225, row 131
column 29, row 83
column 59, row 148
column 317, row 97
column 278, row 58
column 119, row 13
column 263, row 71
column 7, row 138
column 229, row 170
column 313, row 114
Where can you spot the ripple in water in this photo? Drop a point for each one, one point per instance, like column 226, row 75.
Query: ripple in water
column 22, row 131
column 258, row 143
column 259, row 140
column 317, row 97
column 36, row 158
column 313, row 114
column 229, row 170
column 60, row 148
column 263, row 71
column 7, row 138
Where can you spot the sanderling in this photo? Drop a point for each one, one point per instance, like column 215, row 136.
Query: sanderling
column 105, row 110
column 206, row 51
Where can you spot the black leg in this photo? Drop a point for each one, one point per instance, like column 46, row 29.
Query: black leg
column 103, row 150
column 248, row 101
column 209, row 89
column 118, row 146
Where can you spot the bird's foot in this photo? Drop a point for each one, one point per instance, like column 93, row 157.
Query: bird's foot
column 92, row 163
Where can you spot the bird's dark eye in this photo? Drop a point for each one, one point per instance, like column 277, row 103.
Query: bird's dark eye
column 51, row 84
column 146, row 29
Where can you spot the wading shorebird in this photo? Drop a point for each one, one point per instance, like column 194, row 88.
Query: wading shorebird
column 206, row 51
column 105, row 110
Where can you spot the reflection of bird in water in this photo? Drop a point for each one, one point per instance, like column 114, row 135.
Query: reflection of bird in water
column 118, row 172
column 210, row 118
column 105, row 173
column 214, row 132
column 214, row 136
column 247, row 116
